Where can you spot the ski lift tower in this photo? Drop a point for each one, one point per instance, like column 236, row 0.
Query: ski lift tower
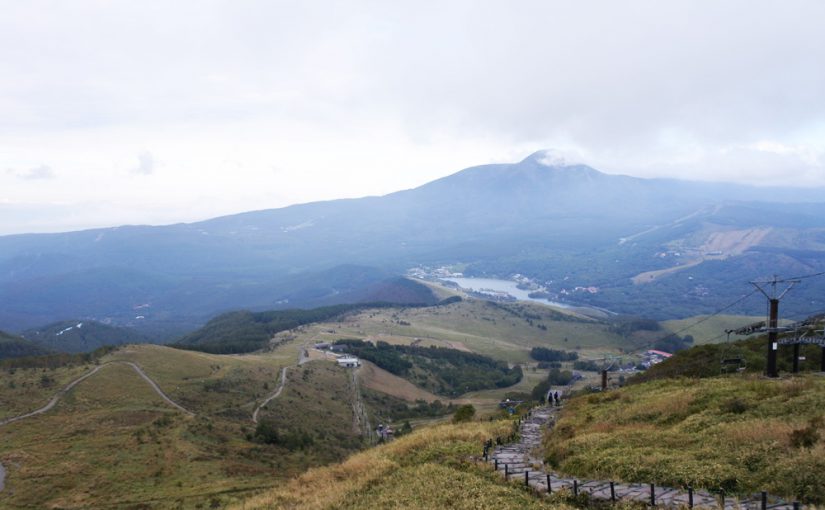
column 773, row 319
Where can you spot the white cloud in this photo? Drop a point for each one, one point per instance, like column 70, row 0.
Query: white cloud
column 36, row 173
column 363, row 97
column 146, row 164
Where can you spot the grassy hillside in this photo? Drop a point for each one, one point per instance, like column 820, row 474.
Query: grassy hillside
column 244, row 331
column 707, row 360
column 426, row 469
column 12, row 346
column 112, row 441
column 445, row 371
column 711, row 329
column 729, row 434
column 82, row 336
column 314, row 414
column 505, row 332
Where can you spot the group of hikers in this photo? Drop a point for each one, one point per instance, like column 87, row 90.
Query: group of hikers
column 553, row 398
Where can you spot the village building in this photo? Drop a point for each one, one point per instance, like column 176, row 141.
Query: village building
column 348, row 362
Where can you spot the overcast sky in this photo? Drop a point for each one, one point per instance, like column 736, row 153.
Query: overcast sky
column 158, row 112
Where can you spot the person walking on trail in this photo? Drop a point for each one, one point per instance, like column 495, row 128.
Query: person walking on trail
column 556, row 398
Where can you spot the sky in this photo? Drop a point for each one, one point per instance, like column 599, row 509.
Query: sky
column 155, row 112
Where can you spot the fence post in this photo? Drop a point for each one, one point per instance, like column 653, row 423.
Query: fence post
column 549, row 487
column 575, row 487
column 652, row 495
column 506, row 472
column 764, row 500
column 690, row 497
column 612, row 493
column 722, row 497
column 496, row 461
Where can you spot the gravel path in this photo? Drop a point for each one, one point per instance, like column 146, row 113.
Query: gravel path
column 522, row 461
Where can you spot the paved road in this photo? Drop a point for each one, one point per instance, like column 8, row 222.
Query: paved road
column 276, row 394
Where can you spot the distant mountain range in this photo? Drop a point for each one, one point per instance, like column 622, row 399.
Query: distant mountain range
column 12, row 346
column 81, row 336
column 657, row 247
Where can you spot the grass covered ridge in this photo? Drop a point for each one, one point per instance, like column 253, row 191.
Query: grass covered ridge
column 726, row 434
column 426, row 469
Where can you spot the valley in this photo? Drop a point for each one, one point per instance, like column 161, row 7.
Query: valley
column 216, row 427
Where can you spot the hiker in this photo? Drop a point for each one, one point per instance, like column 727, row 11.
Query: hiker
column 556, row 398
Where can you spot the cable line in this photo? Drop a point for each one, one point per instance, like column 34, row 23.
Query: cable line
column 717, row 312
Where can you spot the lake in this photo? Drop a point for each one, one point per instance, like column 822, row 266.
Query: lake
column 508, row 286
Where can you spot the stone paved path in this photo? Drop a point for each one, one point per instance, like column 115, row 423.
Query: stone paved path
column 523, row 461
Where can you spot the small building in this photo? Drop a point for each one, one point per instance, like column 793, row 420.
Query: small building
column 348, row 362
column 653, row 357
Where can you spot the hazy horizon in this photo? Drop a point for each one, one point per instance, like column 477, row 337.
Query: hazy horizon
column 153, row 113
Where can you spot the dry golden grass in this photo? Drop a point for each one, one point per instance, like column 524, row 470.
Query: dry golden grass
column 415, row 471
column 732, row 434
column 378, row 379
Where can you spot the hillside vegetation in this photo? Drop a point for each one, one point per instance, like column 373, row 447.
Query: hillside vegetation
column 112, row 441
column 12, row 346
column 426, row 469
column 728, row 434
column 244, row 331
column 713, row 359
column 444, row 371
column 82, row 336
column 502, row 331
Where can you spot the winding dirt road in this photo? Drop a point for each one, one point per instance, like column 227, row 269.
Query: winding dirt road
column 274, row 395
column 55, row 399
column 155, row 387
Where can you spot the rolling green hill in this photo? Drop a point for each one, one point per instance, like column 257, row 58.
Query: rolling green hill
column 82, row 336
column 12, row 346
column 114, row 442
column 734, row 435
column 245, row 331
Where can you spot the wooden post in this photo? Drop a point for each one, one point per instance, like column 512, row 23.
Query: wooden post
column 527, row 478
column 652, row 495
column 549, row 486
column 612, row 493
column 604, row 380
column 764, row 500
column 506, row 472
column 722, row 497
column 496, row 461
column 690, row 497
column 575, row 487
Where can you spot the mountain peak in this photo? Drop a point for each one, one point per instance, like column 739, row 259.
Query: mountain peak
column 554, row 158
